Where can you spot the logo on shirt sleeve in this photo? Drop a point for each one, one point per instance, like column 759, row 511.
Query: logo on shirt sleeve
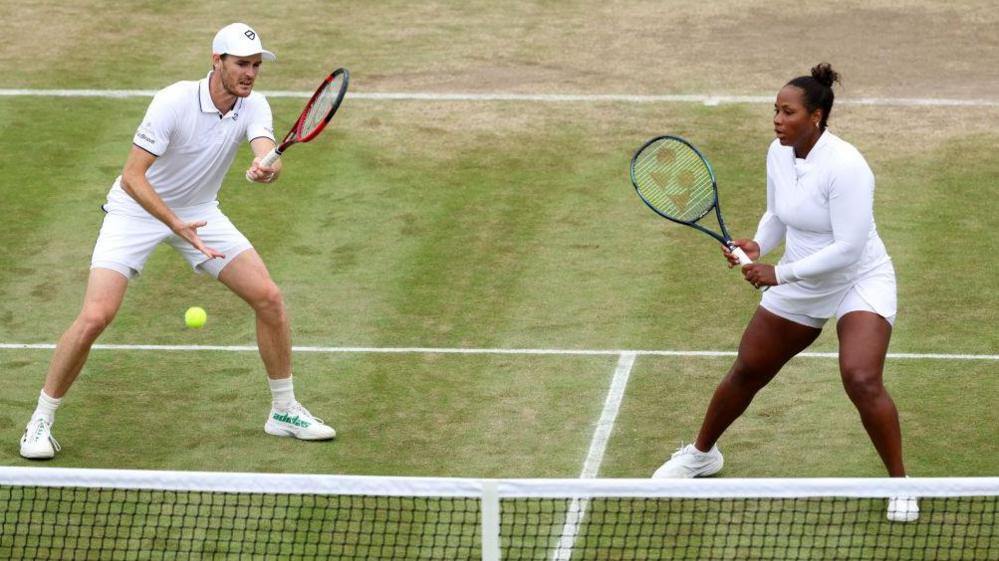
column 145, row 133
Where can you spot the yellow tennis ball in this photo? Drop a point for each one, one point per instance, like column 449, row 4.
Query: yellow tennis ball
column 195, row 317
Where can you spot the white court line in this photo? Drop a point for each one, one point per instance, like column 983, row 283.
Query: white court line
column 475, row 351
column 598, row 445
column 705, row 99
column 595, row 456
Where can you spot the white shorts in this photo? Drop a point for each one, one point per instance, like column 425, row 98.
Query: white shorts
column 127, row 241
column 875, row 292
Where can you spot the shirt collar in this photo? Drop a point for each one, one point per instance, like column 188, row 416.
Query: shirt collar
column 822, row 141
column 208, row 106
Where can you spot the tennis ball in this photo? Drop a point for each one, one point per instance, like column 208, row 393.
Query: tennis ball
column 195, row 317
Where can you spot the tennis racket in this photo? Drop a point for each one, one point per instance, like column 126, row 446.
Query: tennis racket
column 316, row 115
column 674, row 179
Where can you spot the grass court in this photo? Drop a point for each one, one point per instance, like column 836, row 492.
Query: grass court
column 464, row 224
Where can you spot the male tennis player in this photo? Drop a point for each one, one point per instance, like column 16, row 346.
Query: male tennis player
column 820, row 203
column 167, row 194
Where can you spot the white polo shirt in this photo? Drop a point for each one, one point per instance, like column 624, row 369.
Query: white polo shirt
column 194, row 144
column 822, row 208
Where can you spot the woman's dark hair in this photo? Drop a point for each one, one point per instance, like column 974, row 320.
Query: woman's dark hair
column 817, row 88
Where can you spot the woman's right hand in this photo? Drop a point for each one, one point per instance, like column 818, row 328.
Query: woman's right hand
column 751, row 248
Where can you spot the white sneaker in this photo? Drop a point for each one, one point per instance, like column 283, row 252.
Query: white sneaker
column 296, row 421
column 689, row 462
column 903, row 509
column 37, row 442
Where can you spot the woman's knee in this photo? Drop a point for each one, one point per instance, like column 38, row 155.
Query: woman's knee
column 750, row 376
column 863, row 385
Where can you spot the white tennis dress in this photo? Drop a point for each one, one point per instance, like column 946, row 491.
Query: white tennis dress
column 822, row 208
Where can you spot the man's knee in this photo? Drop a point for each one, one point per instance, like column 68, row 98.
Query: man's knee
column 269, row 299
column 93, row 321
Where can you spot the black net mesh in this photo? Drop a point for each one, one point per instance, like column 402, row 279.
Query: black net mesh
column 109, row 524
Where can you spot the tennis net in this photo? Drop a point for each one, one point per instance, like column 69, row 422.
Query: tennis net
column 56, row 513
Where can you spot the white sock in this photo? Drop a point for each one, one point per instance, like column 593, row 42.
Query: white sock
column 282, row 393
column 46, row 407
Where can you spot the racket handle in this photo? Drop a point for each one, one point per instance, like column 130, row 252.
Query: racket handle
column 267, row 161
column 741, row 255
column 270, row 158
column 745, row 260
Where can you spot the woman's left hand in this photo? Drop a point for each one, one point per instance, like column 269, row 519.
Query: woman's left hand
column 760, row 274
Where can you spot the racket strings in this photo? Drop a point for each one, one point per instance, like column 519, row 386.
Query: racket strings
column 675, row 180
column 317, row 114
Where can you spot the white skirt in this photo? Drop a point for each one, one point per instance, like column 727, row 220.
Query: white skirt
column 812, row 303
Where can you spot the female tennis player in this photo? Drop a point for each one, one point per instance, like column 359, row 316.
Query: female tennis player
column 820, row 194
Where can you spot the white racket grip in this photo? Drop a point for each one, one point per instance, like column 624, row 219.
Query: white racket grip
column 270, row 158
column 267, row 161
column 745, row 260
column 741, row 256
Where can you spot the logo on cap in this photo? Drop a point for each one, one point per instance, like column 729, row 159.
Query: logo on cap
column 250, row 34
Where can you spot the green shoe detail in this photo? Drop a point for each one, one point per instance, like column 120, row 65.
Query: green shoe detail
column 284, row 418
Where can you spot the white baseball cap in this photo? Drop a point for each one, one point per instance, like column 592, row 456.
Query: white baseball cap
column 239, row 39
